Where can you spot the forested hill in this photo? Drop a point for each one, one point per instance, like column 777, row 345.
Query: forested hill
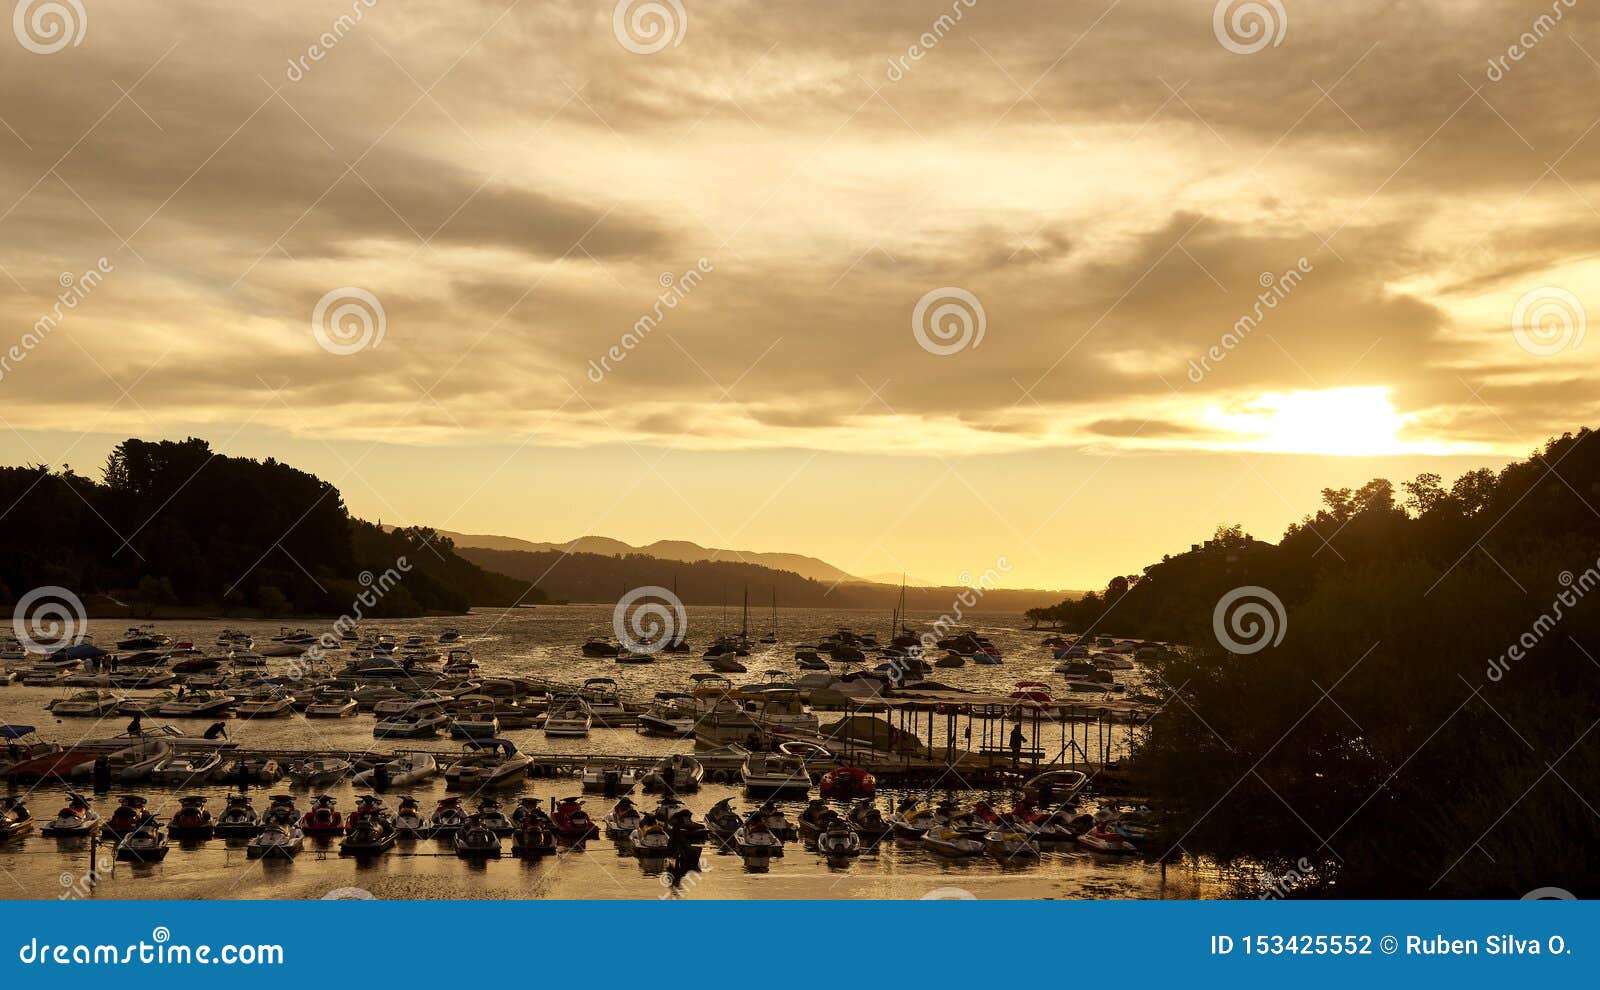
column 589, row 577
column 177, row 524
column 1413, row 710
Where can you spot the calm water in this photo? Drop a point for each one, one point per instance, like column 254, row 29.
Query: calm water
column 543, row 642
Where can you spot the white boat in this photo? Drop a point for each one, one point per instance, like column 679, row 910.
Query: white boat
column 196, row 704
column 268, row 703
column 402, row 771
column 332, row 706
column 775, row 774
column 678, row 773
column 145, row 844
column 144, row 705
column 320, row 772
column 486, row 763
column 472, row 717
column 131, row 763
column 183, row 768
column 567, row 716
column 413, row 701
column 84, row 704
column 417, row 723
column 754, row 839
column 604, row 701
column 610, row 776
column 670, row 714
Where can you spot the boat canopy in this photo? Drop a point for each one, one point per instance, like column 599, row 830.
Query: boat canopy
column 505, row 746
column 80, row 651
column 15, row 731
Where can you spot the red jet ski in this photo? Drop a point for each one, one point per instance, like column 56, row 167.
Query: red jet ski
column 847, row 783
column 322, row 819
column 571, row 821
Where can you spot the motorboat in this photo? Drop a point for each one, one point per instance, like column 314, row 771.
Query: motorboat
column 473, row 717
column 1102, row 838
column 409, row 820
column 332, row 706
column 272, row 702
column 604, row 701
column 847, row 783
column 726, row 663
column 144, row 705
column 624, row 818
column 130, row 814
column 809, row 659
column 476, row 840
column 76, row 818
column 600, row 648
column 145, row 844
column 245, row 657
column 196, row 665
column 249, row 769
column 955, row 841
column 414, row 723
column 196, row 704
column 320, row 772
column 610, row 776
column 131, row 763
column 450, row 636
column 296, row 637
column 1008, row 844
column 142, row 680
column 670, row 714
column 45, row 674
column 951, row 659
column 402, row 771
column 142, row 638
column 276, row 842
column 1054, row 786
column 679, row 773
column 84, row 704
column 567, row 716
column 447, row 817
column 324, row 818
column 15, row 821
column 1033, row 693
column 772, row 774
column 571, row 822
column 23, row 749
column 185, row 767
column 403, row 702
column 238, row 820
column 191, row 821
column 486, row 763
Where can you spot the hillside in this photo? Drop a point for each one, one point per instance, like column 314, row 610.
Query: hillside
column 177, row 524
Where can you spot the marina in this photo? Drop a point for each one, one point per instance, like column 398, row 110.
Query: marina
column 804, row 746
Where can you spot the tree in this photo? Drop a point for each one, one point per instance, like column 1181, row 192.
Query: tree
column 1426, row 494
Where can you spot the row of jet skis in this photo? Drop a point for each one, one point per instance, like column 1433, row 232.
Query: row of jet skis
column 945, row 828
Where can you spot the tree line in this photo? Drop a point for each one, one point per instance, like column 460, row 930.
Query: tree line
column 175, row 523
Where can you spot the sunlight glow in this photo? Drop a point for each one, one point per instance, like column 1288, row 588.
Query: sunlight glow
column 1346, row 422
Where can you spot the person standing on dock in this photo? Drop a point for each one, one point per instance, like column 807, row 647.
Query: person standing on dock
column 1017, row 739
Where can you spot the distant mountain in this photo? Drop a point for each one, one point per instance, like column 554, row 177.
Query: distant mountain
column 587, row 577
column 679, row 550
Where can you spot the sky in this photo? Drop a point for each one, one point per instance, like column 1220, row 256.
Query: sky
column 910, row 286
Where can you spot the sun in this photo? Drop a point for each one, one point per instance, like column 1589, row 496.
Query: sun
column 1343, row 422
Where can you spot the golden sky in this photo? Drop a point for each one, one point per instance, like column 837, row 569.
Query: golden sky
column 1382, row 218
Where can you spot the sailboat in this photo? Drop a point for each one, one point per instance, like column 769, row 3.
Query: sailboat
column 772, row 634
